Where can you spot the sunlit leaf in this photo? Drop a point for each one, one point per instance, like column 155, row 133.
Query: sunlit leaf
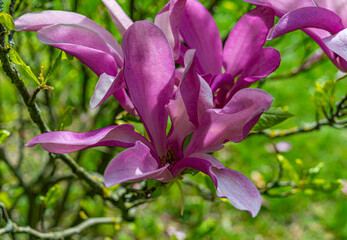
column 4, row 135
column 56, row 63
column 52, row 196
column 16, row 59
column 324, row 185
column 7, row 21
column 271, row 118
column 66, row 118
column 288, row 168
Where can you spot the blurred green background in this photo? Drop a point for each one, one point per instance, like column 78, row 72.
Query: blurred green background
column 304, row 215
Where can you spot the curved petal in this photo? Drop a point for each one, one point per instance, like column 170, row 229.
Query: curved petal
column 338, row 6
column 149, row 72
column 317, row 35
column 338, row 43
column 65, row 142
column 307, row 17
column 38, row 20
column 262, row 64
column 221, row 84
column 246, row 38
column 181, row 126
column 135, row 164
column 239, row 190
column 169, row 19
column 119, row 17
column 283, row 6
column 200, row 32
column 231, row 123
column 190, row 87
column 196, row 94
column 83, row 43
column 106, row 86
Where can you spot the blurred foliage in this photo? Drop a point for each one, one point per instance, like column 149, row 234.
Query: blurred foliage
column 307, row 172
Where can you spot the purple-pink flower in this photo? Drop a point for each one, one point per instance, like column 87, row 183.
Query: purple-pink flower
column 243, row 59
column 150, row 77
column 324, row 21
column 88, row 41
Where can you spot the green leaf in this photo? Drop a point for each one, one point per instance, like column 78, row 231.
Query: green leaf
column 4, row 135
column 159, row 187
column 66, row 118
column 68, row 57
column 16, row 59
column 5, row 199
column 271, row 118
column 315, row 170
column 56, row 63
column 288, row 169
column 190, row 171
column 324, row 185
column 52, row 196
column 7, row 21
column 329, row 88
column 209, row 184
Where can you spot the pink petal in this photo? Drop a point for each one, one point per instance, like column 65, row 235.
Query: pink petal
column 181, row 127
column 65, row 142
column 221, row 84
column 169, row 19
column 200, row 32
column 262, row 64
column 135, row 164
column 149, row 72
column 338, row 43
column 283, row 6
column 239, row 190
column 190, row 87
column 307, row 17
column 247, row 37
column 119, row 17
column 192, row 99
column 83, row 43
column 231, row 123
column 319, row 34
column 38, row 20
column 106, row 86
column 196, row 94
column 337, row 6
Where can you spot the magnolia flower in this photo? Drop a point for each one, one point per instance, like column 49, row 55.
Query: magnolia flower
column 86, row 40
column 243, row 55
column 324, row 21
column 150, row 76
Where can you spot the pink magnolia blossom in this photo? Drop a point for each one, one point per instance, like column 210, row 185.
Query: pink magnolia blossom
column 243, row 57
column 150, row 76
column 86, row 40
column 324, row 21
column 95, row 46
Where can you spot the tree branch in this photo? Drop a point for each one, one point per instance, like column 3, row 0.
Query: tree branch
column 12, row 227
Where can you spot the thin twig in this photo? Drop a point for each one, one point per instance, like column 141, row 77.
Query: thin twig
column 305, row 66
column 11, row 227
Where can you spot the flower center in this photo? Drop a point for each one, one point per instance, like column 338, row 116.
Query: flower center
column 169, row 158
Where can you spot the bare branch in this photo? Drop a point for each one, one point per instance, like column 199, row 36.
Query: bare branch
column 12, row 227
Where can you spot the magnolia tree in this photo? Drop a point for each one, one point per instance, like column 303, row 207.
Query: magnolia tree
column 182, row 92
